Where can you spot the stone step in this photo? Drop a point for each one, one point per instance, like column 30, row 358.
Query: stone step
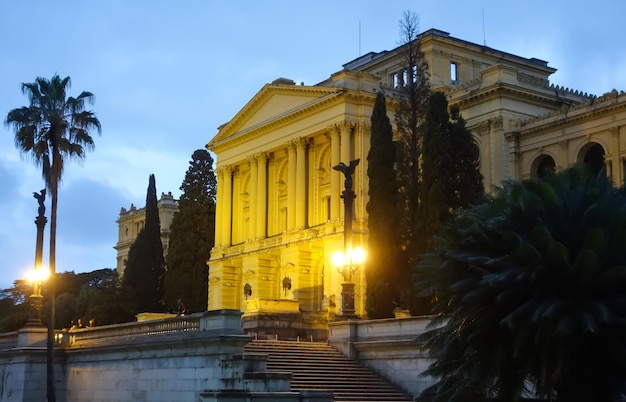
column 317, row 366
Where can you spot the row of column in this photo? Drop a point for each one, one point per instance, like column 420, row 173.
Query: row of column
column 297, row 186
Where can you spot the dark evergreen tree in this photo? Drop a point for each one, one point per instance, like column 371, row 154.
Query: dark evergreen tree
column 450, row 177
column 145, row 267
column 383, row 275
column 192, row 236
column 413, row 86
column 468, row 188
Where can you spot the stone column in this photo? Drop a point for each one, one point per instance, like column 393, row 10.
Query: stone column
column 227, row 210
column 219, row 206
column 301, row 183
column 253, row 196
column 261, row 212
column 291, row 186
column 335, row 182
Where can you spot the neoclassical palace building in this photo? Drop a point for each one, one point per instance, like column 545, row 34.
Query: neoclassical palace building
column 279, row 208
column 131, row 221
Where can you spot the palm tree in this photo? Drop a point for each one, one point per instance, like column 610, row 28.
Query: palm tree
column 531, row 292
column 51, row 129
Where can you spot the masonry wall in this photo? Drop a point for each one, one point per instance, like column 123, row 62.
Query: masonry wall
column 174, row 367
column 177, row 359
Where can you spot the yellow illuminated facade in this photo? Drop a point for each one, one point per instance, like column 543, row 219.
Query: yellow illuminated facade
column 279, row 211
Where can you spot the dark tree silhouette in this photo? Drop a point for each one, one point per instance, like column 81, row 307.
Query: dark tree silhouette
column 414, row 90
column 192, row 236
column 145, row 267
column 530, row 287
column 385, row 270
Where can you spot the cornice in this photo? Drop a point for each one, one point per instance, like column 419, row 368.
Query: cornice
column 607, row 104
column 500, row 89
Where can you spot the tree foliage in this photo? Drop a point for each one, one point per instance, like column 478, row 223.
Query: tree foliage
column 383, row 244
column 414, row 90
column 192, row 236
column 145, row 267
column 95, row 295
column 530, row 287
column 104, row 300
column 14, row 306
column 450, row 173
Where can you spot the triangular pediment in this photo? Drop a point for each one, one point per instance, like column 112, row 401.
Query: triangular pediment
column 270, row 103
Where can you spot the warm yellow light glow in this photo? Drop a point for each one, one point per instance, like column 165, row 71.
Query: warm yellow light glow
column 358, row 255
column 338, row 259
column 37, row 274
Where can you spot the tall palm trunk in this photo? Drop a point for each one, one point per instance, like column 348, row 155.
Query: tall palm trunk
column 50, row 388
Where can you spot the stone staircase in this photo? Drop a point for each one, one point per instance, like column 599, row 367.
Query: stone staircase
column 317, row 366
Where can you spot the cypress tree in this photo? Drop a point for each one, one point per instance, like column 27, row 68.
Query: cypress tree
column 383, row 273
column 450, row 177
column 469, row 185
column 192, row 236
column 145, row 267
column 438, row 166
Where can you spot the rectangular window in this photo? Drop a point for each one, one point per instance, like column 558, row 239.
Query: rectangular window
column 284, row 216
column 327, row 205
column 454, row 73
column 395, row 80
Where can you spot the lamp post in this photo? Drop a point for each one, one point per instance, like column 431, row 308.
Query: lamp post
column 40, row 221
column 38, row 274
column 347, row 287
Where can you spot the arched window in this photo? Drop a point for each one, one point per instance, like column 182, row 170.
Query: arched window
column 545, row 166
column 593, row 156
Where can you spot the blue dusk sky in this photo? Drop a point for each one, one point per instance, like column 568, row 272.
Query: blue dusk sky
column 166, row 74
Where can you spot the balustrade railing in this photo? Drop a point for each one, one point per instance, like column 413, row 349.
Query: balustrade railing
column 226, row 322
column 135, row 329
column 221, row 322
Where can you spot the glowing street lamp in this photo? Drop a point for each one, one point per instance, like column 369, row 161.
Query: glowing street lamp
column 355, row 257
column 36, row 276
column 348, row 195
